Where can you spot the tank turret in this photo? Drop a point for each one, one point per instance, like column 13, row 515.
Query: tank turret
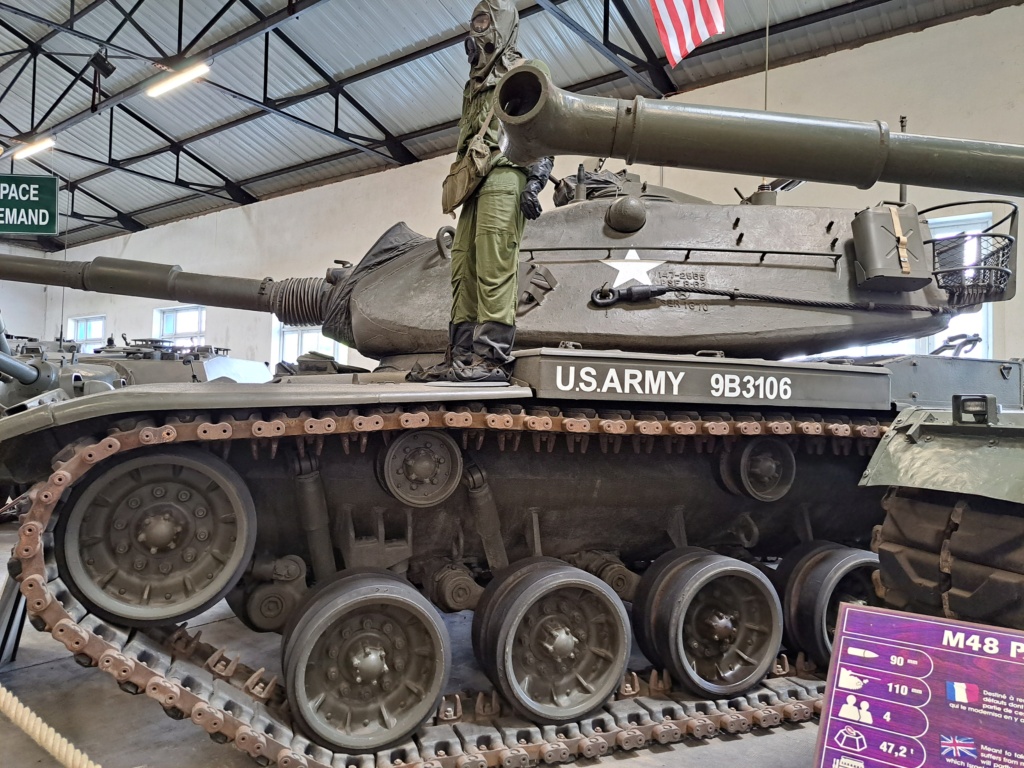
column 619, row 264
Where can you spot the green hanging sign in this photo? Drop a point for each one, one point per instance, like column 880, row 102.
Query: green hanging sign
column 28, row 205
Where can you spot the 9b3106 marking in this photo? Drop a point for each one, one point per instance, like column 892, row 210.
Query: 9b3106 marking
column 761, row 387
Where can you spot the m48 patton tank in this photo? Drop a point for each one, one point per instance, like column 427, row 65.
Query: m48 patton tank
column 654, row 450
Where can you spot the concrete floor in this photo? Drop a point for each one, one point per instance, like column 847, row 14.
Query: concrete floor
column 121, row 731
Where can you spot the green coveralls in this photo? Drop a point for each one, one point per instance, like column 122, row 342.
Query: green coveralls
column 485, row 253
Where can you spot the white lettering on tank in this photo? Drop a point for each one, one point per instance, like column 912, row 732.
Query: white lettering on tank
column 588, row 379
column 632, row 378
column 654, row 382
column 611, row 381
column 572, row 378
column 677, row 379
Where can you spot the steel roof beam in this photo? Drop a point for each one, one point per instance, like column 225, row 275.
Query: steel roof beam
column 31, row 46
column 343, row 136
column 659, row 76
column 14, row 79
column 599, row 47
column 331, row 88
column 61, row 28
column 399, row 152
column 235, row 190
column 208, row 133
column 206, row 27
column 114, row 165
column 124, row 219
column 130, row 17
column 271, row 22
column 398, row 61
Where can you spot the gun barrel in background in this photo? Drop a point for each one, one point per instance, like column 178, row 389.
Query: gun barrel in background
column 295, row 300
column 11, row 366
column 541, row 119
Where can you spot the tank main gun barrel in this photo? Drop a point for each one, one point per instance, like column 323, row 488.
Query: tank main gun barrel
column 541, row 119
column 295, row 300
column 13, row 367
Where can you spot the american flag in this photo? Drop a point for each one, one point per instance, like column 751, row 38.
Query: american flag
column 685, row 24
column 958, row 746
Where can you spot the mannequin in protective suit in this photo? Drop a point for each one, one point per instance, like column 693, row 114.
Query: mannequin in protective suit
column 485, row 252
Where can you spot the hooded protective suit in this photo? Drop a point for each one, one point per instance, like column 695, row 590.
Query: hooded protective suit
column 485, row 251
column 493, row 34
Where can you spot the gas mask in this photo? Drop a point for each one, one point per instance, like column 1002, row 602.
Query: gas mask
column 491, row 45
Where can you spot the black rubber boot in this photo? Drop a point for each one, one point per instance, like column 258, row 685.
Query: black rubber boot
column 460, row 348
column 492, row 356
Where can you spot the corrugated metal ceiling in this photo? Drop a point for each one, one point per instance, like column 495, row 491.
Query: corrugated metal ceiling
column 342, row 88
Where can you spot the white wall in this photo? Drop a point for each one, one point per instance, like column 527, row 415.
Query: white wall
column 959, row 79
column 23, row 306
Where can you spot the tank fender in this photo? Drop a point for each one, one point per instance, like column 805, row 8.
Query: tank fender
column 222, row 394
column 930, row 449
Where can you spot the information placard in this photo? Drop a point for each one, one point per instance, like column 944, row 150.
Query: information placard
column 907, row 691
column 28, row 205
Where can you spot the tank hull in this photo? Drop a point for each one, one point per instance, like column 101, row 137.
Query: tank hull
column 352, row 482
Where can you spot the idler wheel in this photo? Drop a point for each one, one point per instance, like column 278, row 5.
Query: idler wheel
column 553, row 639
column 763, row 469
column 714, row 622
column 420, row 467
column 821, row 579
column 366, row 659
column 157, row 537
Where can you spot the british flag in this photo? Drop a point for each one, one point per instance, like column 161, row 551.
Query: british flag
column 958, row 746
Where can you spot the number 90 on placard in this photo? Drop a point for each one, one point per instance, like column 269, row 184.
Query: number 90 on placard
column 751, row 387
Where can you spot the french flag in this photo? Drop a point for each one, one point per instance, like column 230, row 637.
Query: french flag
column 965, row 693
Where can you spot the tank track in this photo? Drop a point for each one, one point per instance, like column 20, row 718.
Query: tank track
column 952, row 555
column 236, row 703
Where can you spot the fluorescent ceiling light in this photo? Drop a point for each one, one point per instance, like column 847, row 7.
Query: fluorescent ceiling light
column 31, row 149
column 172, row 82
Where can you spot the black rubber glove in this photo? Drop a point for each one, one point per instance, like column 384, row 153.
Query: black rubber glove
column 536, row 177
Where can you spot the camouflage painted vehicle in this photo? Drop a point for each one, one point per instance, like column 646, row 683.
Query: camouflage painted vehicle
column 654, row 449
column 951, row 541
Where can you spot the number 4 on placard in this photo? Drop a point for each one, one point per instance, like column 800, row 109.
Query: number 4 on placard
column 887, row 716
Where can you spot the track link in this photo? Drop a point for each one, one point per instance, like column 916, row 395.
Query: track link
column 236, row 703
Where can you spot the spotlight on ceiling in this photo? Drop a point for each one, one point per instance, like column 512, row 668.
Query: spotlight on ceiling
column 34, row 148
column 179, row 78
column 101, row 63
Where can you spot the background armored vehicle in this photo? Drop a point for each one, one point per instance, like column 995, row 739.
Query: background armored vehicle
column 36, row 372
column 951, row 540
column 343, row 509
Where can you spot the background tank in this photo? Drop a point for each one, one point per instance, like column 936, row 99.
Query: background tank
column 34, row 372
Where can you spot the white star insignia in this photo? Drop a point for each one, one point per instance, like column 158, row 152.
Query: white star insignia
column 632, row 268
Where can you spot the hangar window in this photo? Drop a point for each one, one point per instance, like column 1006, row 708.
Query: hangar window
column 88, row 332
column 979, row 322
column 292, row 341
column 185, row 326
